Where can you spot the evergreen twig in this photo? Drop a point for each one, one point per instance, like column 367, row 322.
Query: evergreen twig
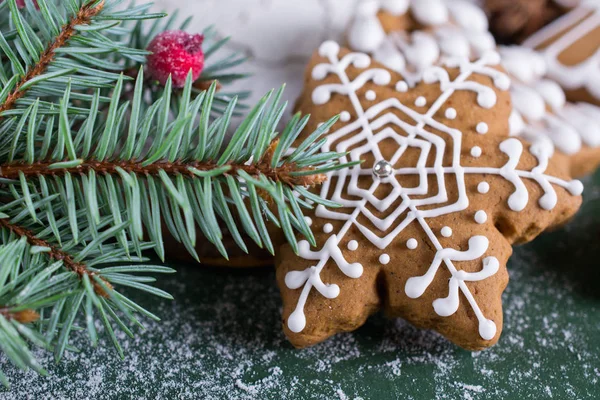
column 83, row 17
column 96, row 164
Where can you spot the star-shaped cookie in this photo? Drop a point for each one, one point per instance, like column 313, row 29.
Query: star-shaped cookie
column 428, row 218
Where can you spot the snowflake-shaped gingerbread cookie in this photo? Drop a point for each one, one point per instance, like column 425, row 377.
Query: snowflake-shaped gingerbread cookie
column 427, row 219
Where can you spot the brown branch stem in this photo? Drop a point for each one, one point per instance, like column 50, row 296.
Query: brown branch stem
column 280, row 174
column 55, row 253
column 83, row 17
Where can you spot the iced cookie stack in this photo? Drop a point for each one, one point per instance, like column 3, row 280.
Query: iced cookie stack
column 411, row 36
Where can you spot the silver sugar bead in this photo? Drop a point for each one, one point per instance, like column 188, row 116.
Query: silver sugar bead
column 383, row 169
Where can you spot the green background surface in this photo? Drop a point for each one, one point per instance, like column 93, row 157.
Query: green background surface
column 221, row 338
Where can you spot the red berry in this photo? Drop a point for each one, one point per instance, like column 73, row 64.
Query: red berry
column 175, row 53
column 21, row 4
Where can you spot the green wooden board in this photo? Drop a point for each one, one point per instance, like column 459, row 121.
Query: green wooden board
column 221, row 338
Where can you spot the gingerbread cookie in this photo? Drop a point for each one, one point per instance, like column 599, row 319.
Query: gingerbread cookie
column 427, row 220
column 571, row 47
column 541, row 112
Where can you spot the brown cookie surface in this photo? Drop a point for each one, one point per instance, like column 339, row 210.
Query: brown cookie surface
column 427, row 219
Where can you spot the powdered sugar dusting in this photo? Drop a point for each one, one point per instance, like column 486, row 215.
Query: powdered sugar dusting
column 221, row 338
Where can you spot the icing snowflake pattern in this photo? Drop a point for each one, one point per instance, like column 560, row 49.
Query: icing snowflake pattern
column 416, row 206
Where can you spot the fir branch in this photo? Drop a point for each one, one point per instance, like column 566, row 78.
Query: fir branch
column 91, row 173
column 56, row 253
column 288, row 174
column 83, row 17
column 180, row 173
column 50, row 285
column 76, row 43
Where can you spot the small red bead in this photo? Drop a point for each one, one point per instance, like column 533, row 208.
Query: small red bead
column 175, row 54
column 21, row 4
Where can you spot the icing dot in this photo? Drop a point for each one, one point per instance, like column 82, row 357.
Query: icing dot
column 401, row 86
column 487, row 329
column 370, row 95
column 450, row 113
column 480, row 217
column 412, row 243
column 384, row 259
column 483, row 187
column 352, row 245
column 344, row 116
column 327, row 228
column 476, row 151
column 482, row 128
column 420, row 101
column 446, row 231
column 308, row 221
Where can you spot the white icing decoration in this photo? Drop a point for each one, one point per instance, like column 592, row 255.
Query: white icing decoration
column 420, row 49
column 370, row 95
column 366, row 33
column 416, row 204
column 450, row 113
column 446, row 231
column 402, row 86
column 344, row 116
column 388, row 55
column 352, row 245
column 308, row 220
column 552, row 94
column 480, row 217
column 525, row 65
column 327, row 228
column 483, row 187
column 516, row 125
column 395, row 7
column 476, row 151
column 384, row 259
column 430, row 12
column 421, row 101
column 482, row 128
column 468, row 16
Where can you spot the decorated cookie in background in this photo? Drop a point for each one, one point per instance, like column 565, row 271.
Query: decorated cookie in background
column 571, row 47
column 457, row 28
column 409, row 36
column 427, row 220
column 542, row 114
column 512, row 21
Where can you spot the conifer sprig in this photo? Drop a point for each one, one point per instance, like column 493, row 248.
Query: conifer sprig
column 152, row 170
column 51, row 284
column 97, row 164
